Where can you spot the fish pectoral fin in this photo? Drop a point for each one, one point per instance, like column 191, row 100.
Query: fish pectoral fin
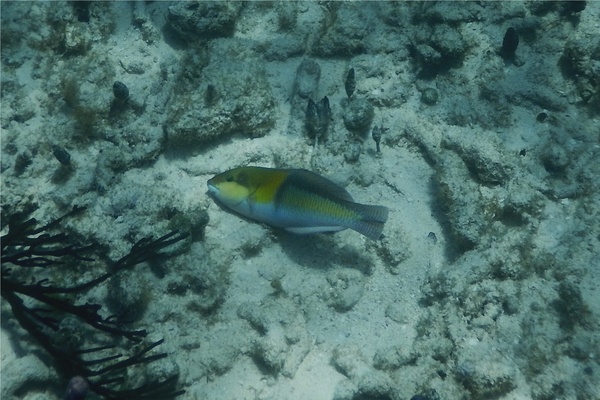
column 307, row 230
column 252, row 195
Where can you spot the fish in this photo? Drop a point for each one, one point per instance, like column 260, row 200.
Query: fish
column 297, row 200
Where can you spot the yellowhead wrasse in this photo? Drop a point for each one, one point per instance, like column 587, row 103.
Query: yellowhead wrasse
column 297, row 200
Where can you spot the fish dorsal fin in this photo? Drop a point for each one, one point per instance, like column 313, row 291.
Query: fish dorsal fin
column 314, row 183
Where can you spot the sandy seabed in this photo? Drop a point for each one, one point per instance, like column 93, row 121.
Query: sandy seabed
column 485, row 282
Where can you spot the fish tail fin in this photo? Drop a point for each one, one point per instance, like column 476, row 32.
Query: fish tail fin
column 372, row 220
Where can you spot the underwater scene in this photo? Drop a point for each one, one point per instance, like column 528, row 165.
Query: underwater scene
column 292, row 200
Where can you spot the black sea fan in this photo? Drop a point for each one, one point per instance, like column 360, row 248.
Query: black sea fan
column 32, row 258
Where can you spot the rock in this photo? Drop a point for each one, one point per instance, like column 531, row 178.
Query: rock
column 375, row 385
column 287, row 15
column 364, row 382
column 21, row 373
column 137, row 144
column 393, row 249
column 221, row 347
column 358, row 115
column 393, row 357
column 581, row 345
column 555, row 158
column 282, row 340
column 481, row 158
column 198, row 277
column 429, row 96
column 571, row 308
column 201, row 20
column 348, row 32
column 449, row 42
column 580, row 62
column 244, row 104
column 283, row 47
column 346, row 288
column 307, row 79
column 128, row 297
column 439, row 49
column 485, row 378
column 397, row 312
column 448, row 13
column 461, row 202
column 428, row 55
column 349, row 360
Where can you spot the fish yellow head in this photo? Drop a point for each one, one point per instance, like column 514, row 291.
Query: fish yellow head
column 245, row 184
column 231, row 187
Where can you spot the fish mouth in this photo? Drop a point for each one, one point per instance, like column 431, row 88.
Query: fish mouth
column 212, row 188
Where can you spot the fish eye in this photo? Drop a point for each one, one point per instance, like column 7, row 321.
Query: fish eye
column 229, row 178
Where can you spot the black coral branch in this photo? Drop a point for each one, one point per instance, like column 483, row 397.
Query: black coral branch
column 39, row 305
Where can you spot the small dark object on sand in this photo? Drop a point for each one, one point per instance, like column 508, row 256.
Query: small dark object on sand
column 318, row 116
column 61, row 155
column 210, row 95
column 120, row 90
column 376, row 134
column 541, row 117
column 350, row 83
column 510, row 43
